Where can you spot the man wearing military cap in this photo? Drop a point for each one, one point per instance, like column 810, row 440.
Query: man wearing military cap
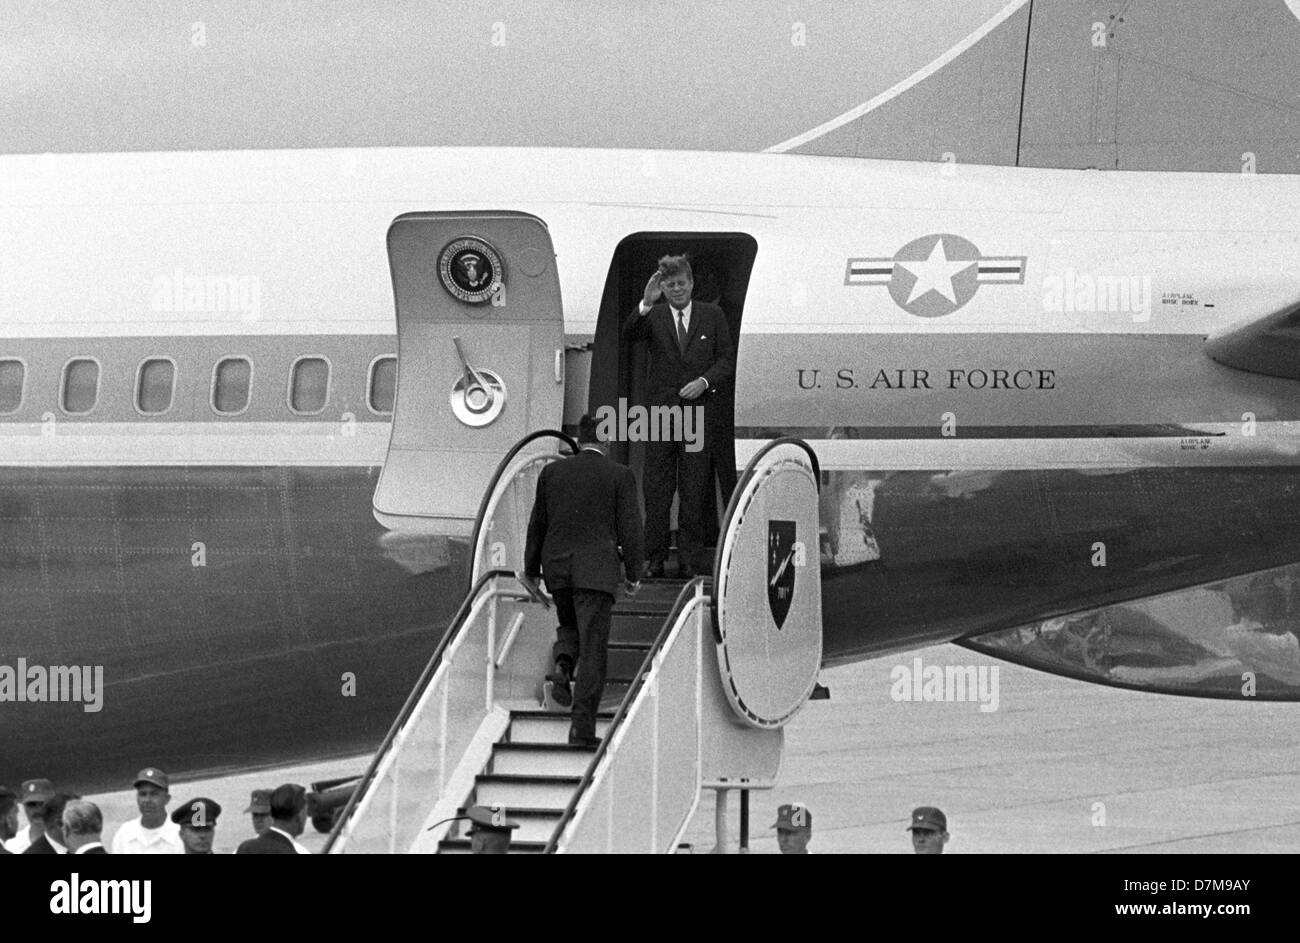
column 260, row 808
column 793, row 828
column 489, row 832
column 52, row 842
column 33, row 794
column 197, row 820
column 929, row 830
column 152, row 833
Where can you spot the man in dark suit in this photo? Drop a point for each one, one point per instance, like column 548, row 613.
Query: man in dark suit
column 52, row 841
column 288, row 819
column 585, row 509
column 691, row 357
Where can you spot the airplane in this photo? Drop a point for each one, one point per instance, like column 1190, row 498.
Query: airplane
column 232, row 475
column 240, row 484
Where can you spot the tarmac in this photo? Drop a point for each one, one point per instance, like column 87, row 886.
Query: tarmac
column 1059, row 767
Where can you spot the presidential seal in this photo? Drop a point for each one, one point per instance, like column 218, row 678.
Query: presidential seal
column 471, row 269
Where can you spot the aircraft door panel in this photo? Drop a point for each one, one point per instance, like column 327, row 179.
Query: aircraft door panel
column 480, row 333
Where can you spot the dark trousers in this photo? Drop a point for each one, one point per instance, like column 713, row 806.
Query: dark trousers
column 583, row 638
column 668, row 468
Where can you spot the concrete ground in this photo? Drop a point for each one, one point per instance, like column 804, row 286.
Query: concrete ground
column 1060, row 766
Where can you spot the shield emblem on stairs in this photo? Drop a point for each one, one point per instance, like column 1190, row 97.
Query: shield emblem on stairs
column 780, row 568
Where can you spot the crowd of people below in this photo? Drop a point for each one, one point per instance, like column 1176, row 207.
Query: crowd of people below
column 62, row 823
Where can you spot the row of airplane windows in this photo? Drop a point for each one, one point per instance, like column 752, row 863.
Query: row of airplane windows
column 231, row 388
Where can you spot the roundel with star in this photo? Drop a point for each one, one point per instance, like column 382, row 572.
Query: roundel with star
column 936, row 274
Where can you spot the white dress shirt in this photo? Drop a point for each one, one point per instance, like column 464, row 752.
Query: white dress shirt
column 686, row 321
column 20, row 842
column 134, row 839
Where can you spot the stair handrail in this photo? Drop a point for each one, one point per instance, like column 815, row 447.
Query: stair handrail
column 412, row 699
column 689, row 592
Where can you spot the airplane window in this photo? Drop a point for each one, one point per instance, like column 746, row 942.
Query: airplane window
column 231, row 385
column 309, row 388
column 155, row 385
column 80, row 385
column 383, row 384
column 12, row 374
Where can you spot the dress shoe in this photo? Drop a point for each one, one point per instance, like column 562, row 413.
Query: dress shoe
column 583, row 740
column 561, row 689
column 653, row 570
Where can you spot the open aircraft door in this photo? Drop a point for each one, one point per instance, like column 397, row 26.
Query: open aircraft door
column 480, row 343
column 767, row 586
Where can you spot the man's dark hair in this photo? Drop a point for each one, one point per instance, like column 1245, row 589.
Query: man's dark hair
column 8, row 799
column 671, row 265
column 52, row 810
column 287, row 801
column 587, row 431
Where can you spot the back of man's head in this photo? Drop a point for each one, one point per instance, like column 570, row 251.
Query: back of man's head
column 83, row 819
column 52, row 811
column 587, row 431
column 287, row 801
column 671, row 265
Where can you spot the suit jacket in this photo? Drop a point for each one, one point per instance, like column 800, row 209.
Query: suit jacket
column 586, row 507
column 41, row 846
column 97, row 850
column 709, row 352
column 271, row 843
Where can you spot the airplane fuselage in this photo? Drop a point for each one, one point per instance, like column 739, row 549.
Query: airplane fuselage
column 998, row 369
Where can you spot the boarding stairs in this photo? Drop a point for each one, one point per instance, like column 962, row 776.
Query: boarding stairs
column 479, row 728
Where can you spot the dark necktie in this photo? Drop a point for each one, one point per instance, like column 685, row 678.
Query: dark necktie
column 681, row 331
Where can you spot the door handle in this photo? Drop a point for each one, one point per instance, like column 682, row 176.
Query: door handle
column 559, row 366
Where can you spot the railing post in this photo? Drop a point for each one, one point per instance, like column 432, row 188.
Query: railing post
column 491, row 650
column 392, row 808
column 720, row 822
column 442, row 736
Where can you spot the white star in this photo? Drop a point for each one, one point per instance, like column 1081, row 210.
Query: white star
column 935, row 273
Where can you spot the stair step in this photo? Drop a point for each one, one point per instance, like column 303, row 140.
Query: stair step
column 461, row 846
column 612, row 697
column 534, row 792
column 636, row 628
column 653, row 594
column 540, row 759
column 625, row 659
column 548, row 726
